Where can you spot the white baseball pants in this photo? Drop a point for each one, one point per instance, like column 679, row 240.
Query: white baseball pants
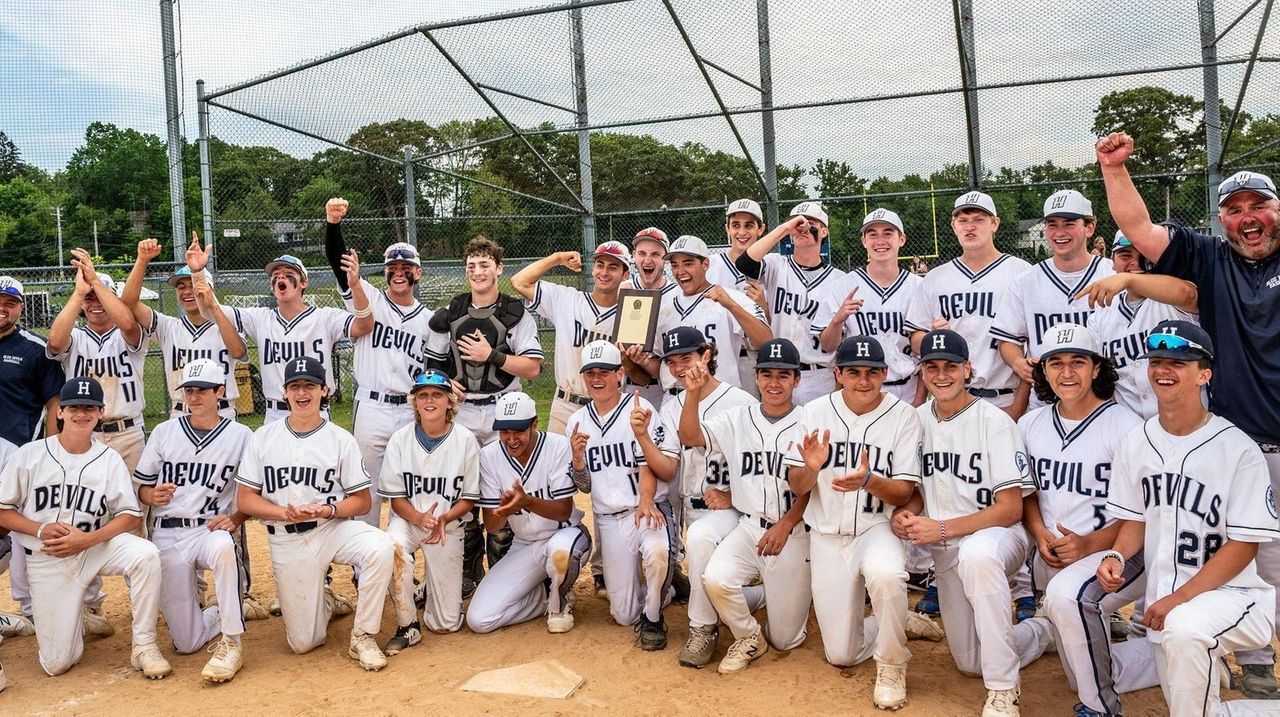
column 633, row 554
column 786, row 591
column 442, row 572
column 845, row 568
column 512, row 592
column 183, row 552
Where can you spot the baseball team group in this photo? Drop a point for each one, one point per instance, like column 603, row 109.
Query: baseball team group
column 1033, row 447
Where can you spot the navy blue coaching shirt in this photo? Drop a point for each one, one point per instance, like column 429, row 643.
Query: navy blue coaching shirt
column 1240, row 309
column 28, row 379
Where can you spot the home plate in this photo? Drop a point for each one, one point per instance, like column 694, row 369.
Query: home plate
column 544, row 678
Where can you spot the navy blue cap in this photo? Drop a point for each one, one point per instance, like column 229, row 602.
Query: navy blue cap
column 944, row 344
column 1180, row 341
column 305, row 368
column 81, row 391
column 778, row 353
column 682, row 340
column 860, row 351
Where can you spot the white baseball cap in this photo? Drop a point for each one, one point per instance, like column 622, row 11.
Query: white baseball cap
column 689, row 244
column 12, row 287
column 975, row 200
column 203, row 373
column 811, row 210
column 184, row 272
column 514, row 412
column 290, row 261
column 1069, row 339
column 1259, row 184
column 880, row 214
column 1069, row 204
column 401, row 251
column 600, row 354
column 749, row 206
column 107, row 281
column 615, row 250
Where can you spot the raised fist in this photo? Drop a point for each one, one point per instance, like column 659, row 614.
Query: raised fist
column 1114, row 149
column 335, row 209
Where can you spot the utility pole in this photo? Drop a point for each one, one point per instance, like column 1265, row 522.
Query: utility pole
column 177, row 194
column 95, row 238
column 57, row 213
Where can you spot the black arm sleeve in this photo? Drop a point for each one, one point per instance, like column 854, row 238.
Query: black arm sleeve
column 334, row 248
column 748, row 266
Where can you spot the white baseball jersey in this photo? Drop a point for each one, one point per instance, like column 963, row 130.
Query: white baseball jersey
column 546, row 476
column 113, row 362
column 716, row 324
column 755, row 447
column 889, row 433
column 967, row 301
column 391, row 356
column 578, row 320
column 883, row 315
column 1071, row 462
column 613, row 455
column 7, row 450
column 522, row 340
column 45, row 483
column 1121, row 330
column 311, row 333
column 723, row 272
column 700, row 468
column 1194, row 493
column 203, row 468
column 970, row 457
column 1041, row 298
column 432, row 480
column 182, row 342
column 792, row 291
column 288, row 468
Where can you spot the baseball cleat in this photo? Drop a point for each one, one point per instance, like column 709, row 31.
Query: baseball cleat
column 1118, row 626
column 652, row 634
column 700, row 646
column 405, row 637
column 1024, row 608
column 1083, row 710
column 928, row 604
column 338, row 605
column 559, row 622
column 1258, row 682
column 1002, row 703
column 468, row 589
column 1226, row 678
column 12, row 625
column 601, row 591
column 228, row 658
column 275, row 607
column 891, row 687
column 680, row 583
column 919, row 581
column 922, row 627
column 96, row 625
column 420, row 593
column 742, row 652
column 365, row 651
column 253, row 610
column 148, row 659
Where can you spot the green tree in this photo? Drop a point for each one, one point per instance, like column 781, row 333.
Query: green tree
column 11, row 164
column 1163, row 125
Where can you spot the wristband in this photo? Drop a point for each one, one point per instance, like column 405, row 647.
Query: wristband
column 867, row 481
column 334, row 508
column 942, row 529
column 497, row 358
column 1114, row 554
column 40, row 531
column 363, row 313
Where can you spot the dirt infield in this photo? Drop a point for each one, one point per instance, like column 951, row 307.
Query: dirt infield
column 618, row 675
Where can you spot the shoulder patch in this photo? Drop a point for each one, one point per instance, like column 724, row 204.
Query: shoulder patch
column 1271, row 501
column 1024, row 469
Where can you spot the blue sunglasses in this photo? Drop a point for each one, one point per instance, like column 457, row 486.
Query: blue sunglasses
column 432, row 377
column 1175, row 343
column 11, row 291
column 394, row 254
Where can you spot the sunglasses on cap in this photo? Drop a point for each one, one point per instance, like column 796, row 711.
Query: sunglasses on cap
column 432, row 377
column 1122, row 243
column 651, row 234
column 1252, row 182
column 1175, row 343
column 10, row 290
column 400, row 254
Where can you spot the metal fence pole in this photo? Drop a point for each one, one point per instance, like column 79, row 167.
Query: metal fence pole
column 206, row 176
column 1212, row 113
column 586, row 190
column 177, row 204
column 768, row 139
column 410, row 200
column 969, row 78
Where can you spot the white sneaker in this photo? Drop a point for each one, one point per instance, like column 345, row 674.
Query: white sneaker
column 559, row 622
column 366, row 651
column 228, row 657
column 891, row 687
column 1002, row 703
column 922, row 627
column 148, row 659
column 96, row 625
column 12, row 625
column 274, row 608
column 251, row 609
column 742, row 652
column 338, row 605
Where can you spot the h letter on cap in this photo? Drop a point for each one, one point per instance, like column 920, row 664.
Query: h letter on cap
column 775, row 351
column 82, row 389
column 864, row 350
column 672, row 340
column 300, row 365
column 939, row 342
column 1064, row 335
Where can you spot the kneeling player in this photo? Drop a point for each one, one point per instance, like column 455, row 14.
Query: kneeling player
column 303, row 477
column 431, row 475
column 1193, row 500
column 974, row 479
column 187, row 474
column 770, row 540
column 629, row 502
column 69, row 501
column 525, row 483
column 853, row 550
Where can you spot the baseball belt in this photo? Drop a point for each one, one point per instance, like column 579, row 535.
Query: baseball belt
column 123, row 424
column 990, row 392
column 294, row 528
column 180, row 522
column 394, row 399
column 697, row 504
column 278, row 405
column 767, row 525
column 899, row 382
column 572, row 397
column 485, row 401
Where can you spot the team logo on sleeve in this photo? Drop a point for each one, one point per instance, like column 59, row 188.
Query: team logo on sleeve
column 1271, row 501
column 1020, row 459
